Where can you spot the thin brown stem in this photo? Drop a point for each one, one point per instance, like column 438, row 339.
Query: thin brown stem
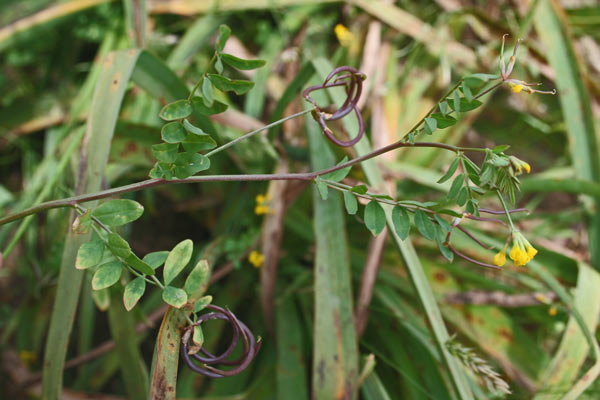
column 307, row 176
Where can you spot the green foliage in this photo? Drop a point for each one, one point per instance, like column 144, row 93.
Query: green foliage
column 174, row 297
column 176, row 110
column 374, row 217
column 311, row 288
column 107, row 275
column 89, row 254
column 133, row 292
column 177, row 259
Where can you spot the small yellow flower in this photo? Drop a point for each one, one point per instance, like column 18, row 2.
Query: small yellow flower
column 519, row 165
column 262, row 209
column 256, row 258
column 262, row 206
column 262, row 198
column 344, row 36
column 500, row 258
column 531, row 251
column 518, row 255
column 522, row 251
column 552, row 311
column 516, row 88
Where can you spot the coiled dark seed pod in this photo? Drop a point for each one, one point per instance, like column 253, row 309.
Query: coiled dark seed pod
column 351, row 79
column 250, row 346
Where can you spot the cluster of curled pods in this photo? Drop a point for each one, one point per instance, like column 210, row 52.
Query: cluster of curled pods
column 207, row 360
column 351, row 80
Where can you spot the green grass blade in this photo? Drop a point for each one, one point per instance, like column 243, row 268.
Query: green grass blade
column 105, row 108
column 166, row 356
column 135, row 21
column 335, row 359
column 193, row 39
column 122, row 329
column 291, row 370
column 573, row 348
column 576, row 186
column 49, row 15
column 409, row 255
column 411, row 25
column 373, row 389
column 574, row 99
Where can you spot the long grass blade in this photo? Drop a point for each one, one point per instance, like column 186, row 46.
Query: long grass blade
column 122, row 329
column 335, row 351
column 551, row 26
column 106, row 104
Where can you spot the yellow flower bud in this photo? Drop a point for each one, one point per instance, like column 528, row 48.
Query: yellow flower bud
column 500, row 258
column 552, row 311
column 527, row 167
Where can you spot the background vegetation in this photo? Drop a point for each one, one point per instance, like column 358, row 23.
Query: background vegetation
column 525, row 322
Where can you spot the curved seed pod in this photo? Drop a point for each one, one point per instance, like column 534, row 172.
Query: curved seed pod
column 351, row 79
column 250, row 347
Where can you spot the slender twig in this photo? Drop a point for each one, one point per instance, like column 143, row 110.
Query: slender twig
column 507, row 212
column 474, row 261
column 307, row 176
column 469, row 234
column 197, row 85
column 497, row 212
column 416, row 126
column 254, row 132
column 432, row 109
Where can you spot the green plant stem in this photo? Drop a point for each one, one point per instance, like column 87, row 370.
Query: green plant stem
column 369, row 196
column 306, row 176
column 158, row 283
column 254, row 132
column 506, row 211
column 436, row 105
column 210, row 64
column 155, row 281
column 432, row 109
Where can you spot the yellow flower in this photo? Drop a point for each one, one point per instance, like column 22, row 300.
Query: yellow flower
column 522, row 251
column 519, row 165
column 256, row 258
column 516, row 88
column 552, row 311
column 344, row 36
column 531, row 251
column 259, row 210
column 262, row 198
column 500, row 258
column 261, row 204
column 518, row 256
